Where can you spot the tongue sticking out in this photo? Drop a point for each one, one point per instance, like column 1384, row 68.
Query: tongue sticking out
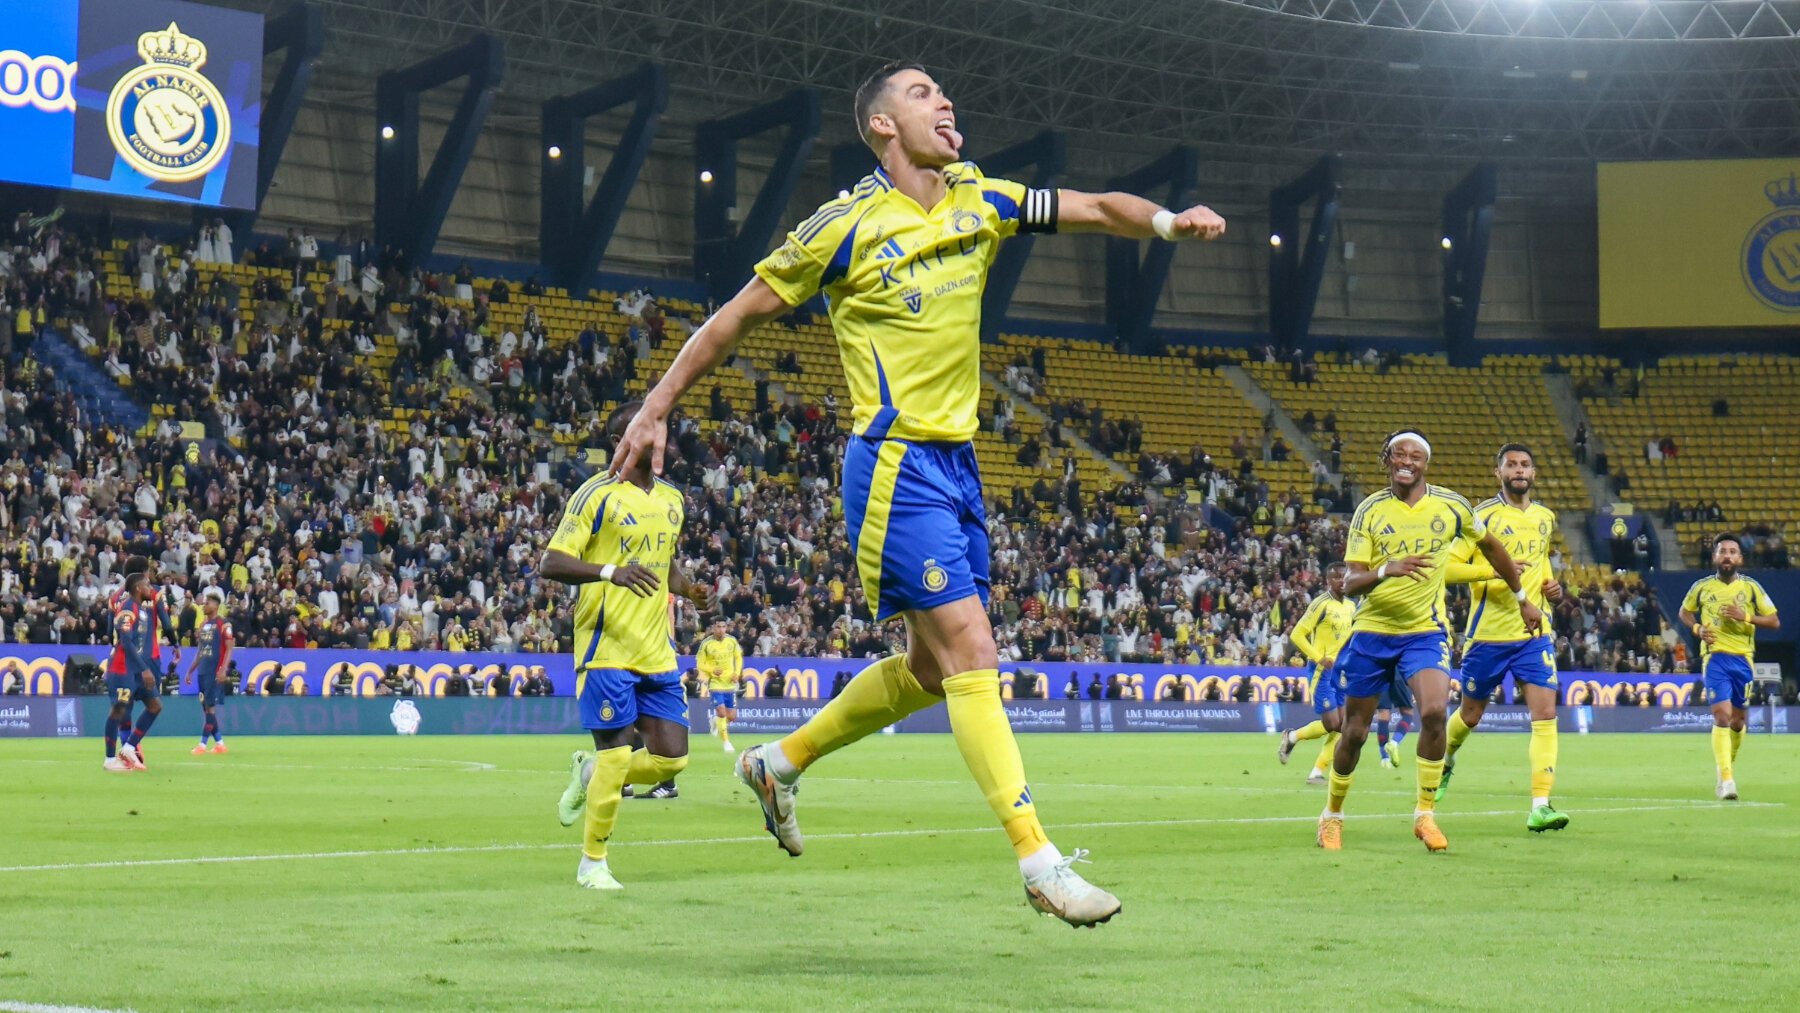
column 951, row 135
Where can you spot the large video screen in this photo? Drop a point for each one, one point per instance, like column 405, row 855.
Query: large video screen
column 1700, row 243
column 143, row 98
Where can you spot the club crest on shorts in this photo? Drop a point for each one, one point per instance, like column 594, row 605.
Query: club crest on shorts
column 606, row 710
column 165, row 119
column 935, row 578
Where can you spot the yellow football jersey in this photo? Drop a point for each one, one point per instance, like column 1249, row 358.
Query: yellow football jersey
column 1710, row 594
column 904, row 288
column 1527, row 534
column 1323, row 628
column 611, row 521
column 721, row 660
column 1386, row 529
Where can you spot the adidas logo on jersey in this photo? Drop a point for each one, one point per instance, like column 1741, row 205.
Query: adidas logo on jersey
column 630, row 521
column 890, row 250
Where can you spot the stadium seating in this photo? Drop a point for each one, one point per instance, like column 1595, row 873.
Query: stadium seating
column 1746, row 458
column 1466, row 413
column 1182, row 405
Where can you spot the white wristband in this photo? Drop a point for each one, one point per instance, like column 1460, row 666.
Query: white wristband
column 1520, row 594
column 1164, row 223
column 1381, row 573
column 606, row 571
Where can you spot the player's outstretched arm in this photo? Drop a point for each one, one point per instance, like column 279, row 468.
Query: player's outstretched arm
column 1132, row 217
column 754, row 305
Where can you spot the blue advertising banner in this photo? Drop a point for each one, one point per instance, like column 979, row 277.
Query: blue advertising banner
column 159, row 99
column 70, row 717
column 316, row 672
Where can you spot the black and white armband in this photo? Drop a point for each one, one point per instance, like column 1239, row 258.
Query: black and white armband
column 1038, row 214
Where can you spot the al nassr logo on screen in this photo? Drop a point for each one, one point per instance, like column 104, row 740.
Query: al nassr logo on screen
column 166, row 120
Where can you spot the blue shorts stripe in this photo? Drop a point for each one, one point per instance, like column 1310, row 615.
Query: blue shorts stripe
column 1487, row 664
column 915, row 514
column 1373, row 662
column 1727, row 677
column 613, row 698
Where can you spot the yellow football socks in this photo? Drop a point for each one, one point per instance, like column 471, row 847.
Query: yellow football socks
column 1459, row 730
column 880, row 695
column 1325, row 752
column 1722, row 751
column 1737, row 742
column 648, row 768
column 1334, row 794
column 604, row 786
column 985, row 737
column 722, row 728
column 1543, row 757
column 1431, row 775
column 1312, row 731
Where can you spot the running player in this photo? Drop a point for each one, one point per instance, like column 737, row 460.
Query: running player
column 1400, row 540
column 1725, row 610
column 903, row 259
column 620, row 531
column 1502, row 645
column 1318, row 636
column 721, row 662
column 132, row 675
column 214, row 639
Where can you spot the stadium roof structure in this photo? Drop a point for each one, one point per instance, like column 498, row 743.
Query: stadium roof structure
column 1411, row 91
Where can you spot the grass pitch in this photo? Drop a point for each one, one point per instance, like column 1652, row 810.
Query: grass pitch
column 430, row 873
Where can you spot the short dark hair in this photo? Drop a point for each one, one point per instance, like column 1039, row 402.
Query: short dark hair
column 134, row 581
column 1513, row 448
column 1337, row 567
column 619, row 418
column 1728, row 537
column 870, row 90
column 136, row 564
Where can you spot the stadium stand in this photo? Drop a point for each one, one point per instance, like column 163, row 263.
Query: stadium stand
column 1707, row 443
column 1501, row 402
column 387, row 451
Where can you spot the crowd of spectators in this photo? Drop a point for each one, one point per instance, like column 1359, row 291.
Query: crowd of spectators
column 327, row 519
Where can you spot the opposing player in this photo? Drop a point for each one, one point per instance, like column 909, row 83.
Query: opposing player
column 1393, row 719
column 1724, row 611
column 721, row 662
column 161, row 624
column 132, row 674
column 1400, row 542
column 214, row 640
column 1500, row 643
column 903, row 257
column 1318, row 636
column 617, row 543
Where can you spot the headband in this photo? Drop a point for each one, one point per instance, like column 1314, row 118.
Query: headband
column 1406, row 434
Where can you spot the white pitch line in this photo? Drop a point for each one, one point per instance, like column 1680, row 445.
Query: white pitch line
column 38, row 1007
column 1282, row 789
column 867, row 834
